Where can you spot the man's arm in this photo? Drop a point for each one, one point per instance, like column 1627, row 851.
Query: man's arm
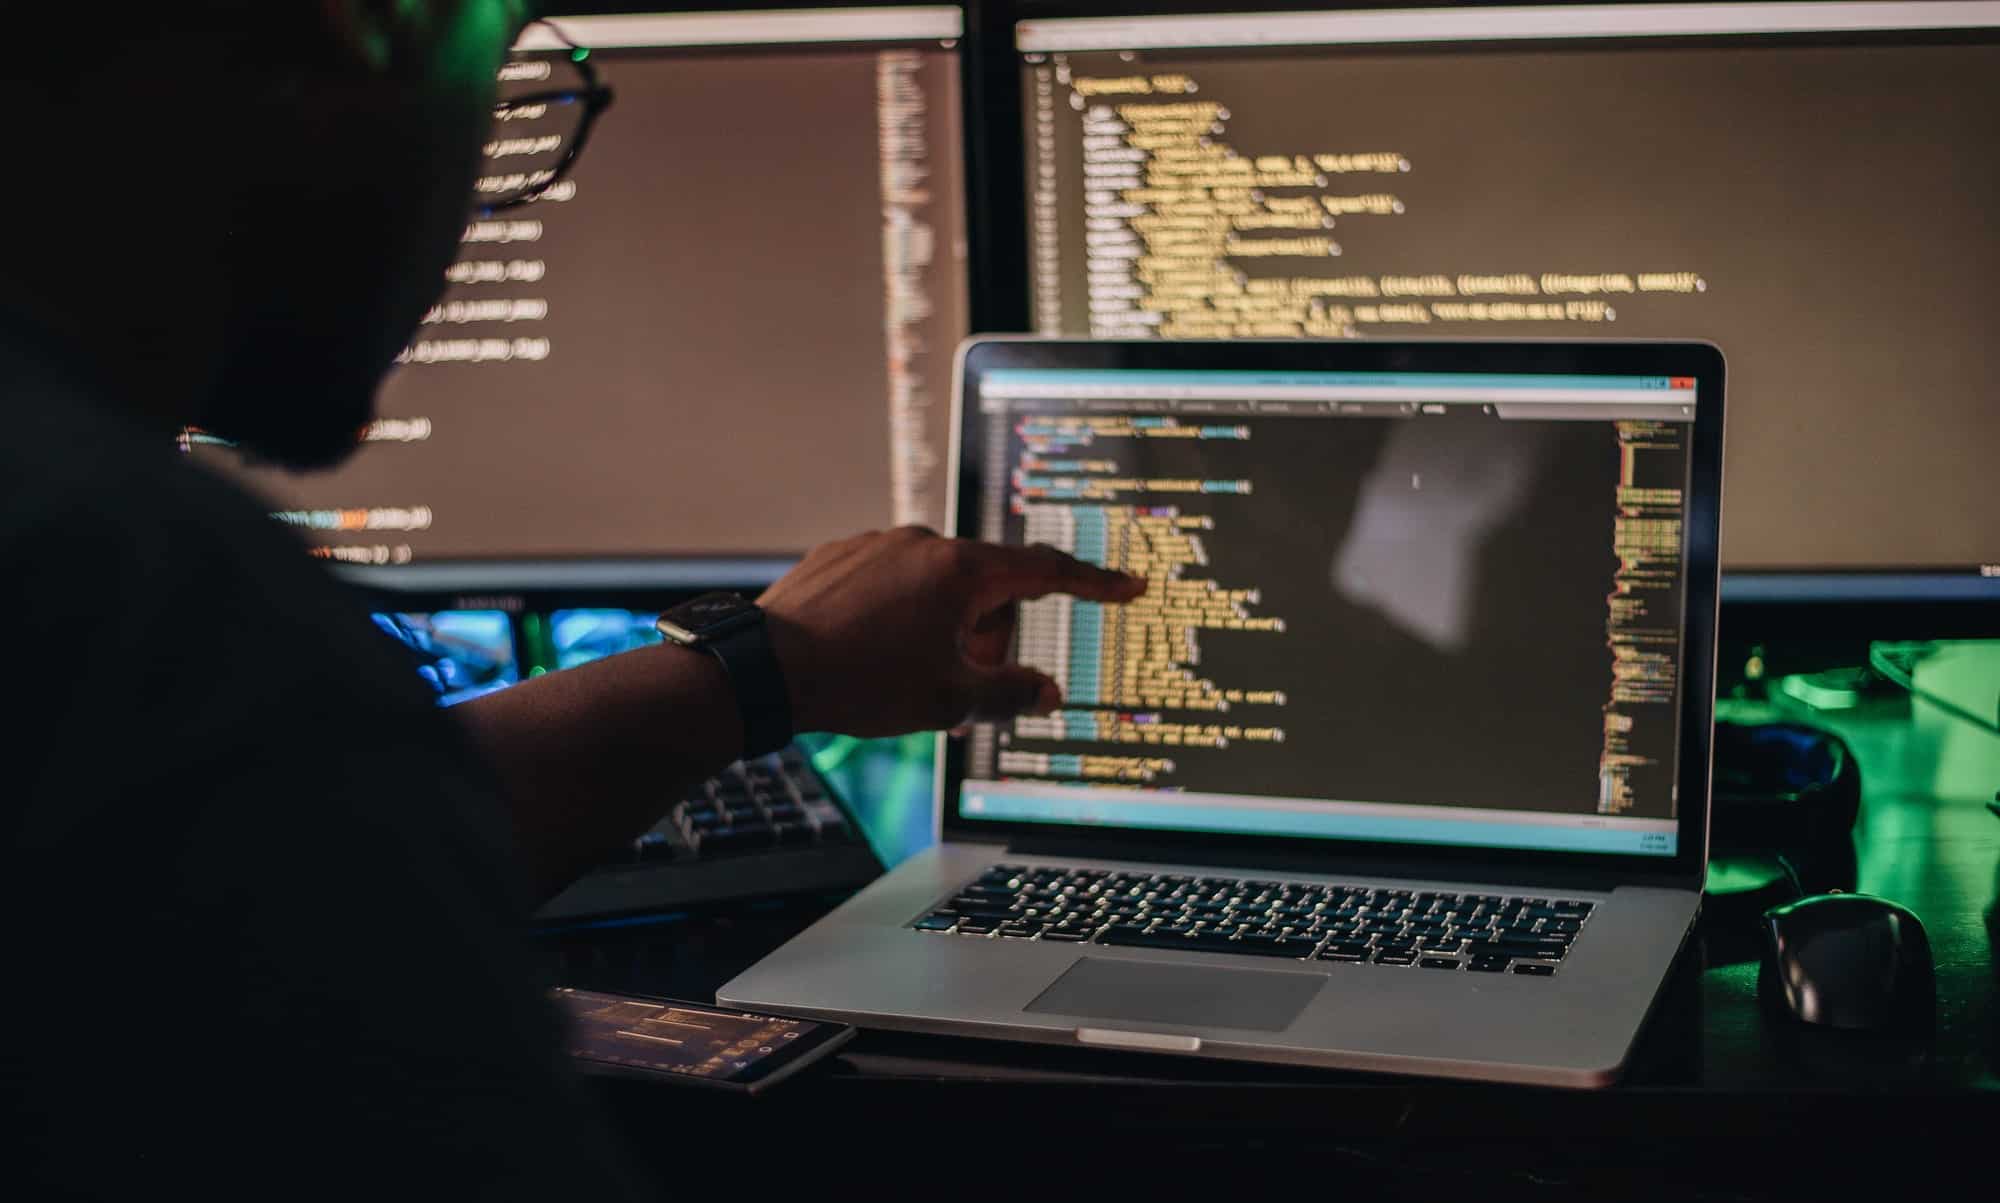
column 879, row 634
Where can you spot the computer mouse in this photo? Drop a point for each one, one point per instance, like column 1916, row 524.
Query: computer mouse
column 1849, row 961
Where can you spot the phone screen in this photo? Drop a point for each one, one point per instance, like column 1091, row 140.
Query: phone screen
column 721, row 1047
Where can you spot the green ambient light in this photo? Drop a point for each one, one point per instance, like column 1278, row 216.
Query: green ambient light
column 1727, row 875
column 1818, row 694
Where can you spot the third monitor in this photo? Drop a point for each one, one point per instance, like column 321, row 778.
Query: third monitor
column 1810, row 186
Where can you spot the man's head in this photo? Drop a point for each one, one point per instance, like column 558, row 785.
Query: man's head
column 245, row 206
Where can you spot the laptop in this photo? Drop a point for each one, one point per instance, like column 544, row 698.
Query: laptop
column 1402, row 762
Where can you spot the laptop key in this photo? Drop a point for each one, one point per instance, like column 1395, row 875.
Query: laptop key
column 1199, row 942
column 1530, row 969
column 1065, row 937
column 737, row 839
column 1345, row 950
column 936, row 922
column 975, row 927
column 1538, row 950
column 987, row 914
column 1487, row 965
column 1395, row 958
column 1438, row 963
column 1128, row 937
column 1297, row 950
column 1259, row 939
column 1218, row 942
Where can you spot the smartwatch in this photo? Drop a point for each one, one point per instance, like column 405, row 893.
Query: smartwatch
column 731, row 628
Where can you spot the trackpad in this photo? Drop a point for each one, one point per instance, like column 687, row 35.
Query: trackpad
column 1189, row 995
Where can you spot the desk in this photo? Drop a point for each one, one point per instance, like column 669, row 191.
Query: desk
column 1719, row 1102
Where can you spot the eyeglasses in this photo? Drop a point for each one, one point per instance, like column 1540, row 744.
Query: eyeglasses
column 538, row 135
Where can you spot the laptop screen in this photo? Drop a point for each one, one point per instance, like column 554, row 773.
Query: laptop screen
column 1430, row 608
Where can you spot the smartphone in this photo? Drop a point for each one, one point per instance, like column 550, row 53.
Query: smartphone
column 629, row 1035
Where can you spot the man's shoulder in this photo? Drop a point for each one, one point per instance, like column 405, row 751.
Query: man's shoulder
column 121, row 549
column 177, row 641
column 74, row 469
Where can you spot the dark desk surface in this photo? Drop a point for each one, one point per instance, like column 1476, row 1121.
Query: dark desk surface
column 1719, row 1101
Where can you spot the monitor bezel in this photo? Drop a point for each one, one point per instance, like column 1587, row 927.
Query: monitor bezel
column 1702, row 361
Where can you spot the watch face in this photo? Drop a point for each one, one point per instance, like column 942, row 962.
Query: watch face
column 704, row 610
column 695, row 620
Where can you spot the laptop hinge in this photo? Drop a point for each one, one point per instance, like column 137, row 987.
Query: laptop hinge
column 1546, row 876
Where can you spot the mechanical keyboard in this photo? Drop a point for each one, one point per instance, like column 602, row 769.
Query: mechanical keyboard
column 762, row 828
column 1477, row 933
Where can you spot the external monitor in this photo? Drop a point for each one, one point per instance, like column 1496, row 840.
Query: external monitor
column 724, row 338
column 1811, row 186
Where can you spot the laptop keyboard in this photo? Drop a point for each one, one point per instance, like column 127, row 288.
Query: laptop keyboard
column 1475, row 933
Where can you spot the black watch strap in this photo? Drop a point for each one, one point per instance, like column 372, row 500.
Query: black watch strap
column 762, row 700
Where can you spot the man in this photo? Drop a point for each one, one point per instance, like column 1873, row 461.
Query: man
column 265, row 897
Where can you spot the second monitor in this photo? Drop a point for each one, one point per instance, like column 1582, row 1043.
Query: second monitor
column 727, row 334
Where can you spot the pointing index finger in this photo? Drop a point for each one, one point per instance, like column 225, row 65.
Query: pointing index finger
column 1026, row 573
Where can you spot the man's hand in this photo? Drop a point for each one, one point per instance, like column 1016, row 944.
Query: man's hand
column 904, row 630
column 878, row 634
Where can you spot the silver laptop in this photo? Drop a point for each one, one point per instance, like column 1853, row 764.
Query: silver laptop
column 1402, row 762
